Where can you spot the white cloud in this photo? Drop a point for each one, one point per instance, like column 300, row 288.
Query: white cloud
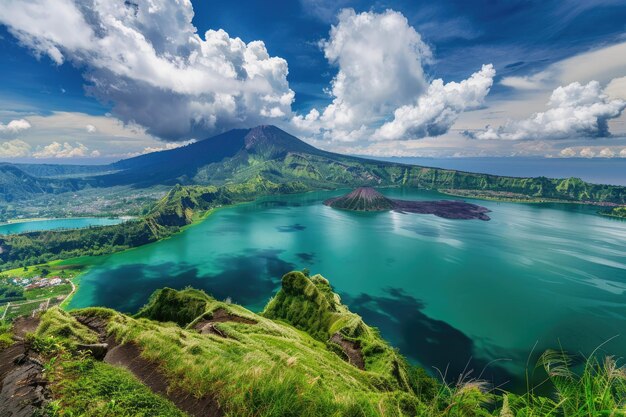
column 622, row 153
column 14, row 149
column 165, row 147
column 533, row 82
column 606, row 153
column 147, row 59
column 568, row 153
column 574, row 111
column 110, row 136
column 14, row 127
column 380, row 59
column 587, row 153
column 616, row 88
column 62, row 150
column 438, row 109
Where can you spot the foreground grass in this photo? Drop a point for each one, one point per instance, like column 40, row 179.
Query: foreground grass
column 6, row 335
column 84, row 387
column 286, row 367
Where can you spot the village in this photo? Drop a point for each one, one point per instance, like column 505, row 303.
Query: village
column 37, row 282
column 26, row 291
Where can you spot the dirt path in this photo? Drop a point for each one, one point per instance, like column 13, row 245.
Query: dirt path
column 128, row 356
column 351, row 349
column 220, row 316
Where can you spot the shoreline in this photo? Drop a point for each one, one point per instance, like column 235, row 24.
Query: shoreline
column 530, row 200
column 45, row 219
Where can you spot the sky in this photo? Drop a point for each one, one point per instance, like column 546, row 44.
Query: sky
column 90, row 81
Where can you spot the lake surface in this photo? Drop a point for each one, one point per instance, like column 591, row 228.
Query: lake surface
column 445, row 292
column 55, row 224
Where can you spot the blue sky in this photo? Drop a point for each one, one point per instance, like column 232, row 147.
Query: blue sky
column 500, row 63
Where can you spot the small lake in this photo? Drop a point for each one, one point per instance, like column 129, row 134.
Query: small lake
column 56, row 224
column 445, row 292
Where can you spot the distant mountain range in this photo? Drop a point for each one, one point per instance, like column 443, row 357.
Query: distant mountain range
column 16, row 183
column 272, row 154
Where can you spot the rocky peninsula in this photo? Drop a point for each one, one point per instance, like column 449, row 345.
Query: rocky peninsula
column 368, row 199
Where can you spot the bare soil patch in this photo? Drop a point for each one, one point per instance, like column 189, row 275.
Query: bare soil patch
column 351, row 349
column 207, row 326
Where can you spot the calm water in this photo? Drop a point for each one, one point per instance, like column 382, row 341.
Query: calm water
column 55, row 224
column 443, row 291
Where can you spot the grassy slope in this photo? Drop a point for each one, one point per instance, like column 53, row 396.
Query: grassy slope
column 267, row 368
column 274, row 369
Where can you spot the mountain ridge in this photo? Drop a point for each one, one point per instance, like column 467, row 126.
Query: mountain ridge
column 242, row 155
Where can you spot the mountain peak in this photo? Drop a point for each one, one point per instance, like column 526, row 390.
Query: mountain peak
column 271, row 141
column 362, row 199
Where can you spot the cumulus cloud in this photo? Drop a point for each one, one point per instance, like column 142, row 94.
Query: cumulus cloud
column 14, row 149
column 381, row 62
column 91, row 129
column 616, row 88
column 568, row 153
column 380, row 59
column 606, row 153
column 14, row 127
column 62, row 150
column 146, row 58
column 575, row 110
column 587, row 153
column 436, row 111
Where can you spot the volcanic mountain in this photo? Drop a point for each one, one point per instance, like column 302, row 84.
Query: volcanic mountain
column 239, row 155
column 362, row 199
column 368, row 199
column 267, row 153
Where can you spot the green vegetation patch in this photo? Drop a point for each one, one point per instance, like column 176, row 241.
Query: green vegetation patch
column 256, row 366
column 59, row 330
column 309, row 304
column 6, row 335
column 180, row 307
column 616, row 212
column 84, row 387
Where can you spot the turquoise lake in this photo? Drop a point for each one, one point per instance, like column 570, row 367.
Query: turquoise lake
column 445, row 292
column 56, row 224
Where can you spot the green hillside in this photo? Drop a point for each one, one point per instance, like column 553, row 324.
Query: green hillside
column 16, row 184
column 188, row 354
column 267, row 152
column 178, row 208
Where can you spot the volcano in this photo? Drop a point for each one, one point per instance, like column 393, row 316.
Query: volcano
column 362, row 199
column 368, row 199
